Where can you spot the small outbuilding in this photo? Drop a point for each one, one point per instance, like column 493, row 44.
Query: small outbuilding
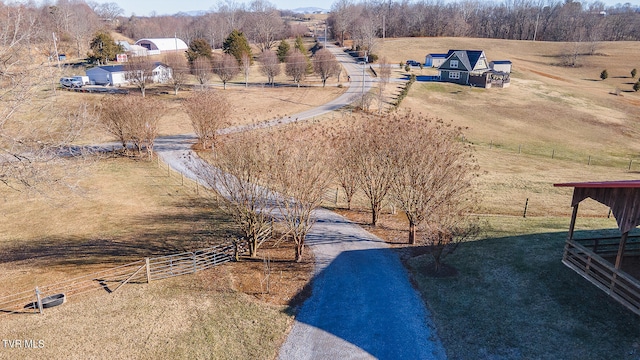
column 162, row 45
column 161, row 73
column 434, row 60
column 501, row 65
column 610, row 263
column 107, row 75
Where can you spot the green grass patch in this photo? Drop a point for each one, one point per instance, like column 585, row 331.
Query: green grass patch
column 513, row 298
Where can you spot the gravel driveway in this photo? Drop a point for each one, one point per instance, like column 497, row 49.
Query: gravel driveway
column 363, row 305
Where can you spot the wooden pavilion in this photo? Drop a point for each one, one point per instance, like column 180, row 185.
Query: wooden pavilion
column 610, row 263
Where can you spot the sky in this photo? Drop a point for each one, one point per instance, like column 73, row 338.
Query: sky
column 165, row 7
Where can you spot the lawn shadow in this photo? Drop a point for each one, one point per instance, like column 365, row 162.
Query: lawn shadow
column 514, row 293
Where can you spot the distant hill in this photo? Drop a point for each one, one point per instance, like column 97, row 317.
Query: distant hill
column 310, row 10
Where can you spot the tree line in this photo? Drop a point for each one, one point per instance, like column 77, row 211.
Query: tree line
column 549, row 20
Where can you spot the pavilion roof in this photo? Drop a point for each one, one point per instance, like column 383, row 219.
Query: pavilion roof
column 622, row 197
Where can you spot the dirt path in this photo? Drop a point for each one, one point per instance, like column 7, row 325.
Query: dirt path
column 362, row 305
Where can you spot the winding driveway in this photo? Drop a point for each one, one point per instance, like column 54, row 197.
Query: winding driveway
column 362, row 303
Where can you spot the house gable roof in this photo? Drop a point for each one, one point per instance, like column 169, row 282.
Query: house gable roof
column 469, row 59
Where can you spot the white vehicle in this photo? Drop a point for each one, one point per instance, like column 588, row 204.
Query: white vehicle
column 84, row 80
column 69, row 82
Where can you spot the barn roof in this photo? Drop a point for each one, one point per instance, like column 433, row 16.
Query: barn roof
column 166, row 44
column 622, row 197
column 437, row 55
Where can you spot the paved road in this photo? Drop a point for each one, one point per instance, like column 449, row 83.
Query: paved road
column 362, row 304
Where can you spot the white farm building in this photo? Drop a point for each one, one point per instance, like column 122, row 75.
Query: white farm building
column 107, row 75
column 162, row 45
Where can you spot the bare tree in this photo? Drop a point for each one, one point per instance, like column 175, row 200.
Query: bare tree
column 265, row 25
column 226, row 67
column 270, row 65
column 384, row 74
column 300, row 175
column 325, row 65
column 369, row 157
column 209, row 112
column 344, row 166
column 139, row 72
column 179, row 70
column 112, row 120
column 434, row 169
column 245, row 62
column 34, row 131
column 241, row 163
column 201, row 69
column 143, row 127
column 132, row 119
column 296, row 66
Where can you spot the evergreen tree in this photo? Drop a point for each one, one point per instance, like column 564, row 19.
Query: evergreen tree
column 636, row 86
column 103, row 48
column 604, row 74
column 236, row 44
column 300, row 45
column 283, row 50
column 634, row 72
column 198, row 48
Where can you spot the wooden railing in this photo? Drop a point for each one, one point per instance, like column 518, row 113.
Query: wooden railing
column 616, row 283
column 110, row 280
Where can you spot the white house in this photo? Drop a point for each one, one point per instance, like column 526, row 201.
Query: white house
column 161, row 73
column 435, row 60
column 162, row 45
column 501, row 65
column 107, row 75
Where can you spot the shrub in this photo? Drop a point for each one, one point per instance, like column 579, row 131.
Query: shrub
column 604, row 74
column 634, row 72
column 636, row 86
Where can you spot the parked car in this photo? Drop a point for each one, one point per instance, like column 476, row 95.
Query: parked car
column 413, row 63
column 70, row 82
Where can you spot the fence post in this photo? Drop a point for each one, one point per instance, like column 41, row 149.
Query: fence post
column 195, row 263
column 589, row 163
column 519, row 148
column 38, row 300
column 146, row 262
column 526, row 205
column 336, row 201
column 197, row 183
column 553, row 153
column 491, row 144
column 181, row 179
column 630, row 161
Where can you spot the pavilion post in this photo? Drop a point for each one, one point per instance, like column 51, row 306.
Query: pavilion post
column 623, row 242
column 572, row 226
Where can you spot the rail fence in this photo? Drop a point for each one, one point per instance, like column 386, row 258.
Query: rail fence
column 110, row 280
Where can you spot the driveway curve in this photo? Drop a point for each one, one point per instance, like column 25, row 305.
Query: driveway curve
column 362, row 304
